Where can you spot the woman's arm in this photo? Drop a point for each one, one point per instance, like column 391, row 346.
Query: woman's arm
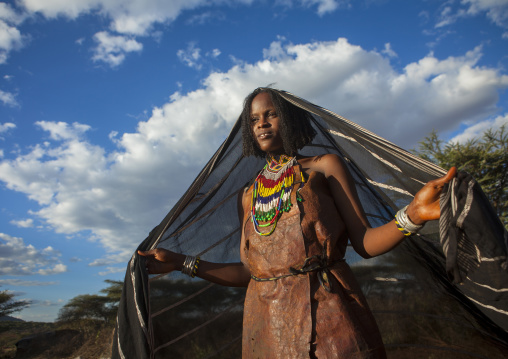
column 229, row 274
column 367, row 241
column 161, row 260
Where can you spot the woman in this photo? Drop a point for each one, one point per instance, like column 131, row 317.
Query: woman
column 302, row 299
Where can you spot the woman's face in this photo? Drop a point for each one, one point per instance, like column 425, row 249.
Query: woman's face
column 265, row 124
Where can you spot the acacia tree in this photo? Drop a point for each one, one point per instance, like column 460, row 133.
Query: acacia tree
column 8, row 305
column 93, row 306
column 485, row 158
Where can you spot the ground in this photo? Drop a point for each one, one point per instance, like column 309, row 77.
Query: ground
column 50, row 340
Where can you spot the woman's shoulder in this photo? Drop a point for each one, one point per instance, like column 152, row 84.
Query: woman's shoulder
column 325, row 163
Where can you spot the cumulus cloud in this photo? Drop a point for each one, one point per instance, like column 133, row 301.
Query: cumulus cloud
column 7, row 98
column 7, row 13
column 10, row 37
column 18, row 258
column 112, row 49
column 138, row 17
column 190, row 56
column 58, row 268
column 495, row 10
column 128, row 19
column 477, row 130
column 63, row 130
column 4, row 127
column 121, row 195
column 23, row 223
column 133, row 17
column 389, row 51
column 276, row 50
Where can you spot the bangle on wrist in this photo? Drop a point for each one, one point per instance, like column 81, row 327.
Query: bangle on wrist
column 190, row 266
column 404, row 224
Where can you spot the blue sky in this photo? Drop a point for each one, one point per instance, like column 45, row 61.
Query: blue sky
column 109, row 108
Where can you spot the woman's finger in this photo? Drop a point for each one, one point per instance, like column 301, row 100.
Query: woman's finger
column 452, row 172
column 145, row 253
column 439, row 182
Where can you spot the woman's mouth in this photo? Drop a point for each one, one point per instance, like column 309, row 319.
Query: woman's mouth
column 264, row 135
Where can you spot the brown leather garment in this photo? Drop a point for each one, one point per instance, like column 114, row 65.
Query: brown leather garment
column 295, row 317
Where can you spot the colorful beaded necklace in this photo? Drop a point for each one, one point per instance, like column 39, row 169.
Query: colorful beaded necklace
column 271, row 195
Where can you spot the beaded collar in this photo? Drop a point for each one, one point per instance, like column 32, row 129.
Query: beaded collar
column 271, row 195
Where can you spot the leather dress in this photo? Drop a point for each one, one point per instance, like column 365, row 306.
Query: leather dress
column 295, row 316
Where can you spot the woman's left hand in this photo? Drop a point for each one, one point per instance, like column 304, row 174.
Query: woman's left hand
column 425, row 205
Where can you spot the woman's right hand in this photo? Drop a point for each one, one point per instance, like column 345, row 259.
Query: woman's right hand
column 161, row 260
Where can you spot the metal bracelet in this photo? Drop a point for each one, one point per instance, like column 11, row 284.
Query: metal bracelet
column 188, row 265
column 404, row 221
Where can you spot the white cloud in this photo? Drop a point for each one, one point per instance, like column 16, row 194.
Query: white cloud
column 190, row 56
column 55, row 8
column 112, row 270
column 120, row 196
column 205, row 17
column 389, row 51
column 128, row 19
column 214, row 53
column 7, row 98
column 495, row 10
column 4, row 127
column 62, row 130
column 138, row 17
column 276, row 50
column 10, row 37
column 57, row 269
column 325, row 6
column 7, row 13
column 448, row 16
column 112, row 49
column 48, row 303
column 477, row 130
column 108, row 260
column 23, row 223
column 25, row 283
column 133, row 17
column 18, row 258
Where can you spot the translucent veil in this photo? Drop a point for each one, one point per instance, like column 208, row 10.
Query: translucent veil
column 421, row 311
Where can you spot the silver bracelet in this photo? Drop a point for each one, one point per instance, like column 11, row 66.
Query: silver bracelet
column 188, row 265
column 404, row 224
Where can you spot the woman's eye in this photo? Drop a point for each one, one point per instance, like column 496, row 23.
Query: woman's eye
column 272, row 114
column 254, row 119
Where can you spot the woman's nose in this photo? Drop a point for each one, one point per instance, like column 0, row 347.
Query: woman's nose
column 263, row 122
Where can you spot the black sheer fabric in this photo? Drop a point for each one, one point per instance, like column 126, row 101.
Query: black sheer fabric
column 421, row 313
